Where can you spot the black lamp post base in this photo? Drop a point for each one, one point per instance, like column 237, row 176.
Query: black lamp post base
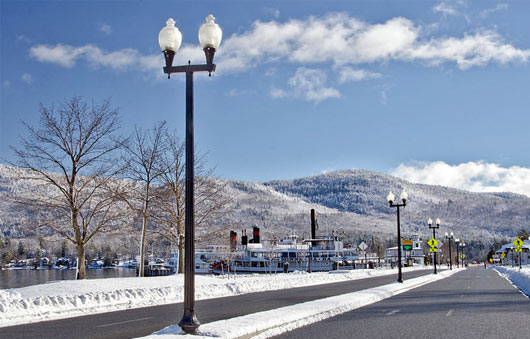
column 189, row 322
column 400, row 281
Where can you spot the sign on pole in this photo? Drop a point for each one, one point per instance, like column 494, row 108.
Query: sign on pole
column 432, row 242
column 518, row 242
column 432, row 249
column 363, row 246
column 407, row 245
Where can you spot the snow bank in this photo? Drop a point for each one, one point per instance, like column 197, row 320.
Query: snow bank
column 267, row 324
column 519, row 278
column 64, row 299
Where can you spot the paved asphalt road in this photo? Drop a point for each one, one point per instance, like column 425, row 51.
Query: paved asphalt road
column 473, row 304
column 144, row 321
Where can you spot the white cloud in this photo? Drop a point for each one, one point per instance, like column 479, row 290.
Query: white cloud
column 343, row 40
column 449, row 7
column 336, row 39
column 277, row 93
column 234, row 92
column 471, row 176
column 27, row 78
column 22, row 38
column 478, row 49
column 485, row 13
column 105, row 28
column 67, row 56
column 347, row 74
column 308, row 84
column 384, row 99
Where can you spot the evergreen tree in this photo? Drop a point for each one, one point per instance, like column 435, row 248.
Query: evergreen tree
column 21, row 251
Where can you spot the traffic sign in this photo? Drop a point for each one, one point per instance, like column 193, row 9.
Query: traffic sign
column 432, row 249
column 363, row 246
column 518, row 250
column 518, row 242
column 503, row 254
column 407, row 245
column 432, row 242
column 463, row 256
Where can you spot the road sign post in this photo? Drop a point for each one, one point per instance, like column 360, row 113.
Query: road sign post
column 518, row 243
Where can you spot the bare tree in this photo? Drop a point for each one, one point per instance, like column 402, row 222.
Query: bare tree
column 143, row 166
column 209, row 198
column 70, row 153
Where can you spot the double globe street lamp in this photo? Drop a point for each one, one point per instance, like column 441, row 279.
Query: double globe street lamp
column 170, row 38
column 457, row 244
column 434, row 228
column 450, row 237
column 390, row 198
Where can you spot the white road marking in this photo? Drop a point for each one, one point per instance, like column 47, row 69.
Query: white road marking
column 125, row 322
column 449, row 313
column 392, row 312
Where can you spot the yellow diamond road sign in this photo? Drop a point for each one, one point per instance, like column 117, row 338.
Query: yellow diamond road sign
column 518, row 242
column 432, row 249
column 432, row 242
column 518, row 250
column 503, row 254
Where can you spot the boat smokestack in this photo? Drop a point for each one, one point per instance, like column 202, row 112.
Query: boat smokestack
column 313, row 224
column 233, row 241
column 255, row 235
column 244, row 238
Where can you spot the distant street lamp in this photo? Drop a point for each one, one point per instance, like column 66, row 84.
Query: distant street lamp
column 390, row 198
column 434, row 228
column 462, row 245
column 170, row 38
column 450, row 237
column 457, row 244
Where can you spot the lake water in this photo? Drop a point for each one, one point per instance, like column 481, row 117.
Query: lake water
column 22, row 278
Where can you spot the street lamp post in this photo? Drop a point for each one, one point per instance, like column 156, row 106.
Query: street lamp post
column 457, row 244
column 170, row 38
column 449, row 237
column 434, row 228
column 390, row 198
column 462, row 245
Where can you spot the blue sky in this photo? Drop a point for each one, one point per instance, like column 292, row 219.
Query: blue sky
column 302, row 87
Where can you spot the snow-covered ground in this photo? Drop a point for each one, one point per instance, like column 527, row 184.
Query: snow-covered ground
column 70, row 298
column 519, row 278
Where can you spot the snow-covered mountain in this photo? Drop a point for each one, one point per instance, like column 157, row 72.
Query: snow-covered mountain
column 351, row 200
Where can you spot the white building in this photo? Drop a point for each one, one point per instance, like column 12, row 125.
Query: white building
column 511, row 257
column 408, row 258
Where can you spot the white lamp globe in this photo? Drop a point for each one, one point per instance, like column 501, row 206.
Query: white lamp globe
column 210, row 33
column 429, row 222
column 438, row 221
column 390, row 197
column 170, row 37
column 404, row 196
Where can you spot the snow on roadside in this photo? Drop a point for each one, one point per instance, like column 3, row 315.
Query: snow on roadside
column 267, row 324
column 519, row 278
column 71, row 298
